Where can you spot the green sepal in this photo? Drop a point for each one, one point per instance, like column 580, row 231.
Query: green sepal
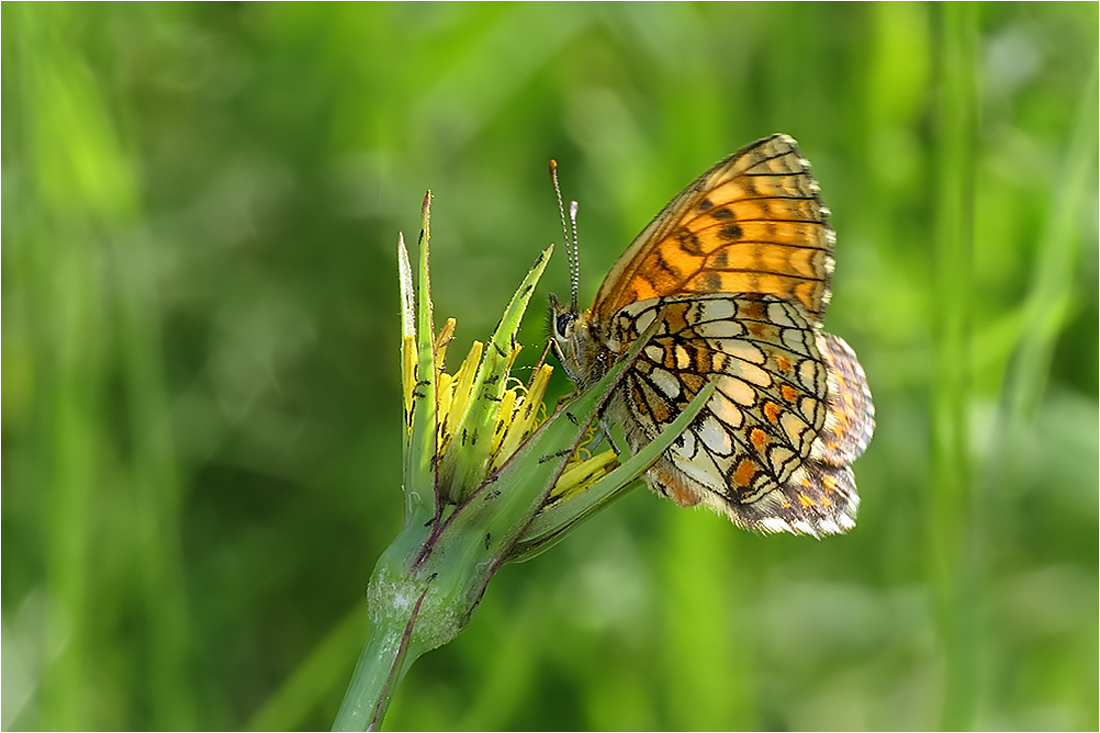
column 420, row 490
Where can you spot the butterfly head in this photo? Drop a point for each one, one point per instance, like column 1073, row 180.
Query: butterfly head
column 569, row 328
column 564, row 326
column 575, row 345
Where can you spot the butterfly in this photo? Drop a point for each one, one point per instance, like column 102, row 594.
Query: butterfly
column 737, row 271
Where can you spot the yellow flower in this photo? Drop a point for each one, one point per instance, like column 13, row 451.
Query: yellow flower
column 520, row 412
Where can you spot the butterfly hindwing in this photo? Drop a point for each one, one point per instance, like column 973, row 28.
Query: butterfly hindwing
column 851, row 419
column 763, row 421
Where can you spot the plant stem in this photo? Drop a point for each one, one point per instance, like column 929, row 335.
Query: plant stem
column 385, row 659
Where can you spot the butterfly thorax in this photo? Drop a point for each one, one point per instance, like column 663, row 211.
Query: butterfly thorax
column 576, row 344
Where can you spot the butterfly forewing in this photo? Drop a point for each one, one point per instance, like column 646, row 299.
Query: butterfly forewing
column 752, row 224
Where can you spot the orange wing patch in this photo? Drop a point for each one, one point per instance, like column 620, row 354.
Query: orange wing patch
column 752, row 224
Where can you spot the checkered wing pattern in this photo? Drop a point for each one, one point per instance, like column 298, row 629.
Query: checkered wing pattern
column 736, row 272
column 764, row 449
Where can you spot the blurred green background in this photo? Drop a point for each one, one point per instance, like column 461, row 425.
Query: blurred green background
column 201, row 410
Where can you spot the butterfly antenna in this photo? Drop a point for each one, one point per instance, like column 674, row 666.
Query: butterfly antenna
column 570, row 253
column 575, row 274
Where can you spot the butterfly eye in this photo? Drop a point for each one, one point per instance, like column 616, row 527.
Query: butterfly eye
column 564, row 325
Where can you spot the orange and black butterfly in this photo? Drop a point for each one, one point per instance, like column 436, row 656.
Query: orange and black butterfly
column 736, row 268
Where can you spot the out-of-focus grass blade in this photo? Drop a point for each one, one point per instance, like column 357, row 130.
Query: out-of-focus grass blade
column 951, row 531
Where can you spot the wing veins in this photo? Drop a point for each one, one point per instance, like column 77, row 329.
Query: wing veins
column 760, row 272
column 639, row 377
column 777, row 376
column 764, row 241
column 790, row 149
column 751, row 449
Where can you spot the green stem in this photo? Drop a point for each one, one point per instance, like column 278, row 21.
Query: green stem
column 386, row 658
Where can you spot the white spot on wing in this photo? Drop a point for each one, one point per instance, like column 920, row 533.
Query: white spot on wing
column 754, row 374
column 724, row 408
column 666, row 383
column 779, row 313
column 738, row 391
column 715, row 436
column 739, row 349
column 719, row 329
column 795, row 340
column 643, row 320
column 809, row 407
column 716, row 309
column 694, row 470
column 775, row 524
column 804, row 527
column 684, row 446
